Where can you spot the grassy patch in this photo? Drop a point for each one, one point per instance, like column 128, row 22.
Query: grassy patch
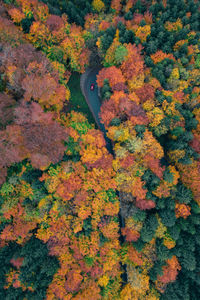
column 77, row 100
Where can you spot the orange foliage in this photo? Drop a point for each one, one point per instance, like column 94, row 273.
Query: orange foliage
column 110, row 230
column 133, row 64
column 134, row 256
column 160, row 55
column 129, row 4
column 116, row 5
column 170, row 271
column 73, row 282
column 113, row 74
column 16, row 15
column 104, row 25
column 182, row 210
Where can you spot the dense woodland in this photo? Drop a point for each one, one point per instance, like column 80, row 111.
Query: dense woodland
column 62, row 194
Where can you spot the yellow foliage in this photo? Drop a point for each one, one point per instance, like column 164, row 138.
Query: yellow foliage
column 169, row 242
column 122, row 135
column 161, row 229
column 174, row 26
column 132, row 224
column 175, row 173
column 42, row 203
column 139, row 281
column 154, row 82
column 136, row 82
column 84, row 212
column 148, row 105
column 98, row 5
column 110, row 54
column 169, row 108
column 103, row 281
column 175, row 73
column 155, row 116
column 175, row 155
column 133, row 97
column 77, row 225
column 183, row 84
column 91, row 154
column 98, row 43
column 142, row 32
column 126, row 293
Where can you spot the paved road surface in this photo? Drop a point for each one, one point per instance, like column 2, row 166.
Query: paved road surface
column 94, row 103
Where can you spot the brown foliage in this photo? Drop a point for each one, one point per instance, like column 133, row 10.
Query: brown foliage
column 7, row 104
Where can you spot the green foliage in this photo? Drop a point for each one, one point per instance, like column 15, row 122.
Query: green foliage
column 168, row 217
column 152, row 181
column 120, row 54
column 37, row 269
column 106, row 91
column 56, row 53
column 162, row 252
column 174, row 231
column 156, row 270
column 139, row 215
column 149, row 227
column 115, row 122
column 183, row 194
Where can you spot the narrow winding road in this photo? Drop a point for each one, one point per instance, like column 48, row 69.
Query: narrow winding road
column 93, row 100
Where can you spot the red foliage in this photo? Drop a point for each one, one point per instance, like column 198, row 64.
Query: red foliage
column 131, row 235
column 190, row 176
column 14, row 63
column 195, row 143
column 137, row 18
column 145, row 93
column 131, row 108
column 54, row 22
column 134, row 256
column 145, row 204
column 128, row 161
column 115, row 4
column 120, row 86
column 17, row 262
column 154, row 164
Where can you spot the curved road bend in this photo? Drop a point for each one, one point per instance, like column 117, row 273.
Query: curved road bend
column 94, row 102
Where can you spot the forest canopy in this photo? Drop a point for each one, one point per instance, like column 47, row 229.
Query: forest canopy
column 80, row 219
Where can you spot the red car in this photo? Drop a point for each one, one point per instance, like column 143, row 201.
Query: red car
column 92, row 87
